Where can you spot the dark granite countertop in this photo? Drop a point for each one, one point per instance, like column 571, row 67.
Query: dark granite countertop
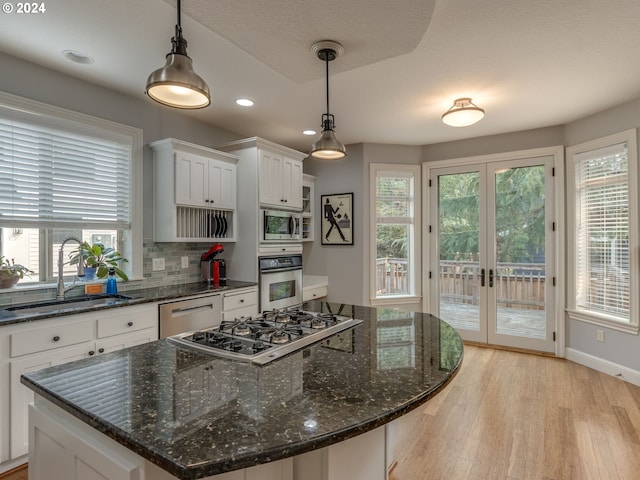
column 196, row 415
column 146, row 295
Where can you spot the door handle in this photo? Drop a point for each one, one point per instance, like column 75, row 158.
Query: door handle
column 482, row 273
column 490, row 277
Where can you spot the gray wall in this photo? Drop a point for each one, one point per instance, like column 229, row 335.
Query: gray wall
column 348, row 266
column 44, row 85
column 618, row 347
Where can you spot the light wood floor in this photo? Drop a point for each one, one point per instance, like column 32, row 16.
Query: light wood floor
column 19, row 473
column 516, row 416
column 512, row 416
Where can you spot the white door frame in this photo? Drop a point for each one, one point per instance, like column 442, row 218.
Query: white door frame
column 558, row 263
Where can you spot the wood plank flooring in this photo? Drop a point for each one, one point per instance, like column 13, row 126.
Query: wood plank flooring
column 516, row 416
column 18, row 473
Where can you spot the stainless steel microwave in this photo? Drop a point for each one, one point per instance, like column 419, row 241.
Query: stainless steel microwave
column 280, row 226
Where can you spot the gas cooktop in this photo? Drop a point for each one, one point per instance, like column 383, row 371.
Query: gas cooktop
column 266, row 337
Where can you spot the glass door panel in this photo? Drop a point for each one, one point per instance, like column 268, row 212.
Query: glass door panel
column 491, row 251
column 519, row 290
column 460, row 226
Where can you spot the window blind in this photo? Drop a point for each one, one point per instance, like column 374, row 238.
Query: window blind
column 55, row 177
column 602, row 214
column 394, row 198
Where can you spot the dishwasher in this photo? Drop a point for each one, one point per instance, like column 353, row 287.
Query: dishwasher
column 191, row 314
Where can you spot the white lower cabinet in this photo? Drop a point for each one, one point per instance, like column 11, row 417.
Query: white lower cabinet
column 63, row 446
column 31, row 346
column 21, row 396
column 66, row 452
column 240, row 303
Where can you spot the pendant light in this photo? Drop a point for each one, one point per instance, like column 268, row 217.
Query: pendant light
column 328, row 147
column 463, row 113
column 176, row 84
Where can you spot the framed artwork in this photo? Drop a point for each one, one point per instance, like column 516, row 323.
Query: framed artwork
column 337, row 219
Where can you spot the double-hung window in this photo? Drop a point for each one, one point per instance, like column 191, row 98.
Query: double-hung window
column 395, row 203
column 603, row 228
column 66, row 174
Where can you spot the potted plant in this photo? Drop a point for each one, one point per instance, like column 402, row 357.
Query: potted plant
column 97, row 256
column 11, row 272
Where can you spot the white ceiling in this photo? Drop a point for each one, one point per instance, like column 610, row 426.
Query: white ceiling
column 529, row 64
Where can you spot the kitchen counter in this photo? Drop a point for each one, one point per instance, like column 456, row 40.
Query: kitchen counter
column 152, row 398
column 146, row 295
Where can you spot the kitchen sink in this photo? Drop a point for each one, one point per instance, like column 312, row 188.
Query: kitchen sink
column 85, row 301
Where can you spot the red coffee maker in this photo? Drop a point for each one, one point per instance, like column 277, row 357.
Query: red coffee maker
column 214, row 270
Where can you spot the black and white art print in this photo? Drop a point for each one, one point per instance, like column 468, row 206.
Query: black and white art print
column 337, row 219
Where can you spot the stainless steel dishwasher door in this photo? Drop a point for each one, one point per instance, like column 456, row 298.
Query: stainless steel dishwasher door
column 187, row 315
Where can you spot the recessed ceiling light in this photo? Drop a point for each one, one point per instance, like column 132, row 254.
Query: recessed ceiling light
column 77, row 56
column 244, row 102
column 309, row 132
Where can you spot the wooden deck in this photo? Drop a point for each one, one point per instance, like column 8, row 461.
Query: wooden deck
column 518, row 322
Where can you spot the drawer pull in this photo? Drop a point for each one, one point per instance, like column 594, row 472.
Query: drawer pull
column 242, row 300
column 91, row 353
column 56, row 338
column 129, row 324
column 101, row 350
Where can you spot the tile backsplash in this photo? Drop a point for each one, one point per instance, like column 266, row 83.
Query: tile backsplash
column 173, row 273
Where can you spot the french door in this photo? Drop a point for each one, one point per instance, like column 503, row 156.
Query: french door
column 492, row 251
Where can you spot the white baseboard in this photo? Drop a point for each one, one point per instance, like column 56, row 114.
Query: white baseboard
column 604, row 366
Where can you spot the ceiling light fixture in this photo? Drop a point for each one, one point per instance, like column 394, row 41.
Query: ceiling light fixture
column 463, row 113
column 328, row 147
column 244, row 102
column 176, row 84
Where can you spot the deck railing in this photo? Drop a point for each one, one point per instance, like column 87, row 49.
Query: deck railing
column 518, row 285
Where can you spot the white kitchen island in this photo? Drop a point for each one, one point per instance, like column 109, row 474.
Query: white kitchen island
column 164, row 412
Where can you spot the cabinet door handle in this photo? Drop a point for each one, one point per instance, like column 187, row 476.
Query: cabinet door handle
column 56, row 338
column 101, row 350
column 490, row 277
column 482, row 273
column 91, row 353
column 129, row 324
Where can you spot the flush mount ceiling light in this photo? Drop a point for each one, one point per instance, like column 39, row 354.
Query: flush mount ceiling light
column 176, row 84
column 328, row 147
column 463, row 113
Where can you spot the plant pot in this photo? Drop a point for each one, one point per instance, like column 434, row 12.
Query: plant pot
column 8, row 280
column 90, row 273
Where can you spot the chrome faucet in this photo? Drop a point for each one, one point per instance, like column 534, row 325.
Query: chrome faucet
column 61, row 288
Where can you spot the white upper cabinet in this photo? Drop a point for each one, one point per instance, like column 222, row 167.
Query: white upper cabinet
column 204, row 182
column 280, row 180
column 278, row 169
column 195, row 192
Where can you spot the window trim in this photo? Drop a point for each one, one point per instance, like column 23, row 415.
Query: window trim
column 575, row 313
column 91, row 125
column 415, row 271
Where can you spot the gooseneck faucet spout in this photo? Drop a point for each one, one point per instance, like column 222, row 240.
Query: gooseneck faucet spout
column 61, row 288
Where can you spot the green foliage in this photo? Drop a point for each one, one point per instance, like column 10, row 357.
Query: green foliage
column 97, row 256
column 9, row 268
column 520, row 202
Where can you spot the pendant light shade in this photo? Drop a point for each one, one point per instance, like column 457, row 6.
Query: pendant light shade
column 176, row 84
column 328, row 147
column 463, row 113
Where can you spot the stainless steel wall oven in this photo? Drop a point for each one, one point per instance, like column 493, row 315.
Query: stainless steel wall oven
column 280, row 282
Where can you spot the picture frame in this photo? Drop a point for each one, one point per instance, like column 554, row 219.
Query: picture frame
column 336, row 214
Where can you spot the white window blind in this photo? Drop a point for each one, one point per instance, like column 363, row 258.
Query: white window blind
column 394, row 197
column 55, row 177
column 602, row 231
